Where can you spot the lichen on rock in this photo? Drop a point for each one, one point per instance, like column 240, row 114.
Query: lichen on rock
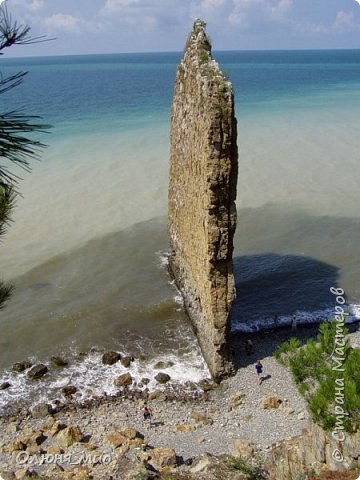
column 202, row 193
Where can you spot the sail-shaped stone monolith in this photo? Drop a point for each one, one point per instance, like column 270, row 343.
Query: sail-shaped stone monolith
column 202, row 193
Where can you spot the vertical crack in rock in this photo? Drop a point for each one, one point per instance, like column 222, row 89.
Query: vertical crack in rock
column 202, row 193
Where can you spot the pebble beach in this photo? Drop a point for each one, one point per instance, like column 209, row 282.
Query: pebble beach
column 209, row 422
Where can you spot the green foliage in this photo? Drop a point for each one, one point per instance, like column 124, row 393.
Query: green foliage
column 204, row 57
column 312, row 367
column 327, row 334
column 7, row 198
column 288, row 347
column 254, row 470
column 303, row 388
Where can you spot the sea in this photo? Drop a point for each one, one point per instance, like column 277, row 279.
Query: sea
column 87, row 247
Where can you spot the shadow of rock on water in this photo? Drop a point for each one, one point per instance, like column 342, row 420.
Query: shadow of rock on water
column 272, row 284
column 283, row 285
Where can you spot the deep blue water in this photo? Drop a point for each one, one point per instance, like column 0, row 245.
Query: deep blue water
column 126, row 90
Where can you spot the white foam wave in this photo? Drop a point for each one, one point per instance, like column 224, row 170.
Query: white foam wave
column 93, row 379
column 163, row 258
column 302, row 318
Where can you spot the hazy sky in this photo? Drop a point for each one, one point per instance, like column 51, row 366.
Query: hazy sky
column 111, row 26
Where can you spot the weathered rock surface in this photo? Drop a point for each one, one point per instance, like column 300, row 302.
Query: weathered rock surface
column 40, row 410
column 163, row 365
column 69, row 390
column 314, row 451
column 37, row 371
column 242, row 448
column 236, row 399
column 202, row 192
column 271, row 401
column 162, row 377
column 68, row 436
column 163, row 457
column 21, row 366
column 5, row 385
column 123, row 380
column 126, row 361
column 59, row 361
column 201, row 418
column 109, row 358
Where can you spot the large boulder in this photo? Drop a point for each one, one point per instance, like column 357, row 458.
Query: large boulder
column 201, row 418
column 27, row 474
column 162, row 365
column 68, row 436
column 163, row 457
column 59, row 361
column 242, row 448
column 162, row 377
column 116, row 439
column 129, row 432
column 54, row 428
column 41, row 410
column 80, row 472
column 68, row 390
column 126, row 361
column 271, row 401
column 154, row 395
column 125, row 436
column 21, row 366
column 109, row 358
column 7, row 475
column 123, row 380
column 37, row 371
column 185, row 428
column 235, row 400
column 202, row 463
column 5, row 385
column 207, row 385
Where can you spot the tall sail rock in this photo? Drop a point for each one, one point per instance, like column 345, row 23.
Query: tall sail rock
column 202, row 193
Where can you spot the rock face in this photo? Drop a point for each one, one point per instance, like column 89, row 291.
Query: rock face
column 202, row 192
column 313, row 452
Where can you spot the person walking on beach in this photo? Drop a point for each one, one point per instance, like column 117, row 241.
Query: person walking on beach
column 275, row 324
column 249, row 346
column 147, row 413
column 259, row 369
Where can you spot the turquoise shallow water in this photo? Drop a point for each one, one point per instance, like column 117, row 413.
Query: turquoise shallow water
column 86, row 249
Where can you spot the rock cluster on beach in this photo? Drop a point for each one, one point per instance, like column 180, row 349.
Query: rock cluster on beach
column 202, row 192
column 223, row 420
column 190, row 436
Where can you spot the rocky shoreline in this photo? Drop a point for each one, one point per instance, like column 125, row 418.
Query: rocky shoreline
column 235, row 417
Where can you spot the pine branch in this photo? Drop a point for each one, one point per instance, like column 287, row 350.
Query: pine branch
column 14, row 146
column 12, row 33
column 7, row 201
column 13, row 81
column 6, row 291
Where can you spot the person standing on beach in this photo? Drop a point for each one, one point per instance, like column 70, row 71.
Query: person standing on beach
column 294, row 324
column 276, row 320
column 259, row 369
column 147, row 413
column 249, row 346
